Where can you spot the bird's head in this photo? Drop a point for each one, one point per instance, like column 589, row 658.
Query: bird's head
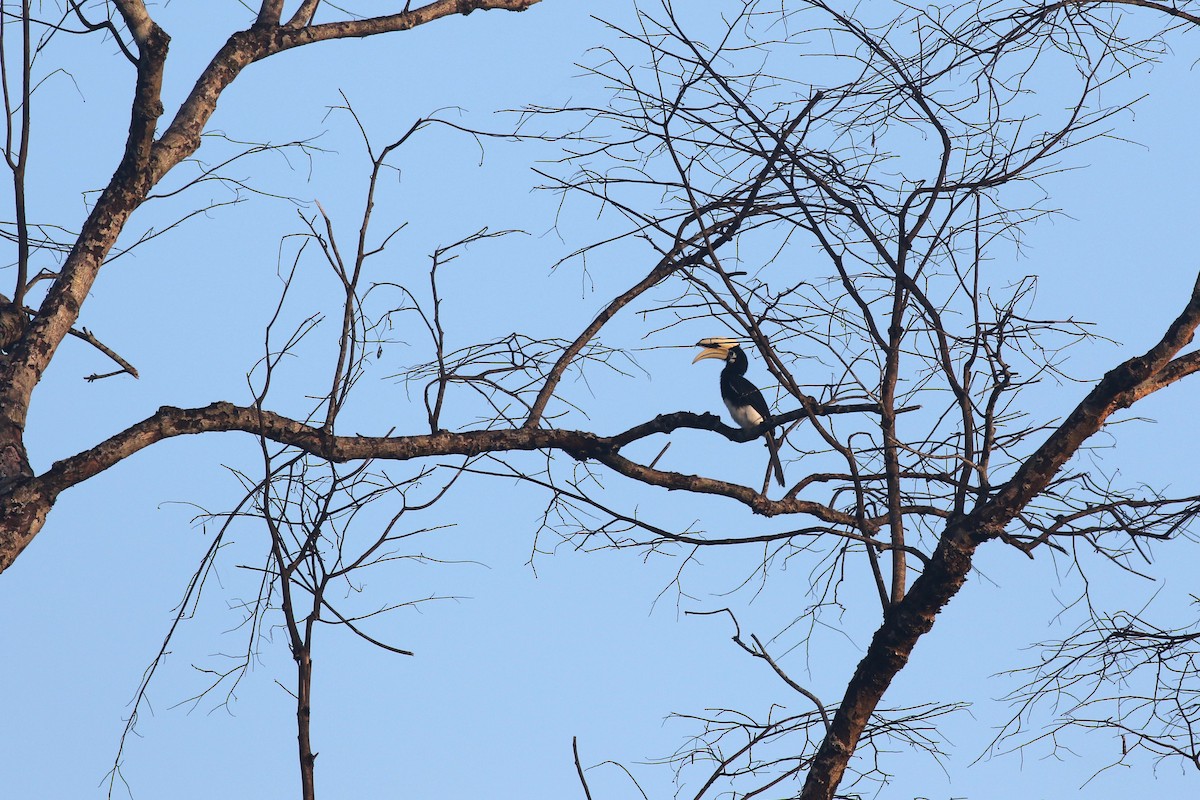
column 716, row 347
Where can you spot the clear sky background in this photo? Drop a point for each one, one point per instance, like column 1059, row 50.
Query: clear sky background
column 593, row 645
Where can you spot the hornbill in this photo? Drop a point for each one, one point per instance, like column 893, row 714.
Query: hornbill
column 743, row 399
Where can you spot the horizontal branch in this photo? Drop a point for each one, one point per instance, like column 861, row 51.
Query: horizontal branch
column 169, row 422
column 712, row 422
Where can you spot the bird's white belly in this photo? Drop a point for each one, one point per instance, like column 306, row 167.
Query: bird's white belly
column 745, row 416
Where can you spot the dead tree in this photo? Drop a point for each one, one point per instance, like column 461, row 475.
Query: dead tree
column 849, row 205
column 838, row 218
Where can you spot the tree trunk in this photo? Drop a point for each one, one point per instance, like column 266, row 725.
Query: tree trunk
column 304, row 723
column 903, row 624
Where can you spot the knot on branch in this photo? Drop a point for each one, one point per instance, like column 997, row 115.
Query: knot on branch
column 987, row 532
column 590, row 447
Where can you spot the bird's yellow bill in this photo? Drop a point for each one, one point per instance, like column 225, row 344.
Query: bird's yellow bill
column 715, row 347
column 711, row 352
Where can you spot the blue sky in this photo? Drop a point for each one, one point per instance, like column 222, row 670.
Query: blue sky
column 594, row 645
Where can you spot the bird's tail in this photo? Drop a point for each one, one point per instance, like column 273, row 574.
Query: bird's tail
column 773, row 449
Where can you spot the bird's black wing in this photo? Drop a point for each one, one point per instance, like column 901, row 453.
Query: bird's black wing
column 744, row 393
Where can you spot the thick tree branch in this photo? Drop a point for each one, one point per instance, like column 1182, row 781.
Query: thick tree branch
column 269, row 12
column 124, row 193
column 905, row 622
column 38, row 494
column 1120, row 388
column 169, row 422
column 137, row 20
column 146, row 161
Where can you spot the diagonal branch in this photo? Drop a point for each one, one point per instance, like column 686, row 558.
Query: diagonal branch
column 703, row 243
column 1120, row 388
column 907, row 621
column 146, row 161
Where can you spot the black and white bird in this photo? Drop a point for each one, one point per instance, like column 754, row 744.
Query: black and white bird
column 743, row 399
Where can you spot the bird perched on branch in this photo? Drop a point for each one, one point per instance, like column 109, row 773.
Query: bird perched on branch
column 743, row 399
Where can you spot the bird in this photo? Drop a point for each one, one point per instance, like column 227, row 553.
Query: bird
column 743, row 399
